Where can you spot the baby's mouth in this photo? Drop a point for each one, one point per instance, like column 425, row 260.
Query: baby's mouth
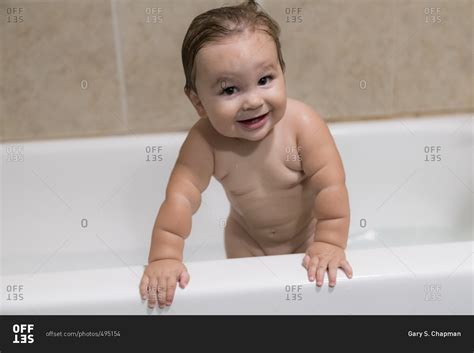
column 253, row 120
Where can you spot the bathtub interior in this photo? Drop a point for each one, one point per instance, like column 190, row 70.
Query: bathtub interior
column 90, row 203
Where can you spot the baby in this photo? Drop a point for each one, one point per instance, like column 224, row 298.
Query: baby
column 274, row 156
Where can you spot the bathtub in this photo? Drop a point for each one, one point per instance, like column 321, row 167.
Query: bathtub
column 77, row 216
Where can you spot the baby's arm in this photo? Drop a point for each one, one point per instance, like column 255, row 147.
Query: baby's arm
column 323, row 166
column 189, row 178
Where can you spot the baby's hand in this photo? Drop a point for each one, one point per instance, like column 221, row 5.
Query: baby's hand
column 321, row 256
column 160, row 277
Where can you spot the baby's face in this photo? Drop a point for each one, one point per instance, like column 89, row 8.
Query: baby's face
column 239, row 78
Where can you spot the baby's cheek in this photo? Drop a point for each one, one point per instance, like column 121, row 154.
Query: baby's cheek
column 223, row 126
column 279, row 99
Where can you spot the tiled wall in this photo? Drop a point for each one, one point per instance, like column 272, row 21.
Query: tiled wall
column 103, row 67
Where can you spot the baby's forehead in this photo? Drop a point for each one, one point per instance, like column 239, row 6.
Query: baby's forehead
column 256, row 48
column 245, row 37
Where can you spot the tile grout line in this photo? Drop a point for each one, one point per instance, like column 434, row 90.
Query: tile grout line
column 119, row 63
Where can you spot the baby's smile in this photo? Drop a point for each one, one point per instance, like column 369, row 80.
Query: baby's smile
column 254, row 123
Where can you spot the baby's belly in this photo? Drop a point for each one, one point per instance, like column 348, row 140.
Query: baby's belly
column 279, row 221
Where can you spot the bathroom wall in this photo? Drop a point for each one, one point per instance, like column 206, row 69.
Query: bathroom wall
column 74, row 68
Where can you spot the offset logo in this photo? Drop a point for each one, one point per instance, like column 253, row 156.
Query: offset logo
column 154, row 153
column 23, row 333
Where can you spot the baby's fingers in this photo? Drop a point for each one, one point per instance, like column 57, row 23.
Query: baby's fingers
column 144, row 286
column 306, row 261
column 311, row 265
column 321, row 270
column 161, row 292
column 171, row 284
column 347, row 268
column 183, row 279
column 332, row 273
column 152, row 293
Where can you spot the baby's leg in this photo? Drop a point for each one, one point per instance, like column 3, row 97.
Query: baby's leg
column 238, row 243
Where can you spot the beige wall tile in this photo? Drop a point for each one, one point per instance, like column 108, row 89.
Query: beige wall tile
column 432, row 56
column 347, row 59
column 44, row 60
column 152, row 33
column 333, row 53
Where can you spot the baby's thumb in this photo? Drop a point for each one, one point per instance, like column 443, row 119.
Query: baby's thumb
column 306, row 260
column 183, row 279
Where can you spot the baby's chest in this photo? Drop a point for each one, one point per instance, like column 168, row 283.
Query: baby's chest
column 264, row 170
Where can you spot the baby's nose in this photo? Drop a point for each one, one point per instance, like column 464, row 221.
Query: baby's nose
column 252, row 102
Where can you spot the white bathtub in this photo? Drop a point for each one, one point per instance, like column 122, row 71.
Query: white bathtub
column 77, row 216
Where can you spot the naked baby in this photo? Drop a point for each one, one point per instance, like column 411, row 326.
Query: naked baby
column 274, row 156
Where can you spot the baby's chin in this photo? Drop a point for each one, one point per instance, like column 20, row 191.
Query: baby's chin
column 255, row 138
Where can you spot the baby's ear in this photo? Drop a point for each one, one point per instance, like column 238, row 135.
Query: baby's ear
column 196, row 102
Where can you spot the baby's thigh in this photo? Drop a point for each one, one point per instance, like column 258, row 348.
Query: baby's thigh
column 238, row 243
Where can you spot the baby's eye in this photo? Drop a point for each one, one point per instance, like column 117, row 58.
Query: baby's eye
column 264, row 80
column 228, row 91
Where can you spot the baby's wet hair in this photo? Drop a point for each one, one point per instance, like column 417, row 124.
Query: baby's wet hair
column 222, row 22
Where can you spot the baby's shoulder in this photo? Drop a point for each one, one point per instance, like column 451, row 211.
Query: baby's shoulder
column 301, row 113
column 198, row 142
column 296, row 104
column 203, row 131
